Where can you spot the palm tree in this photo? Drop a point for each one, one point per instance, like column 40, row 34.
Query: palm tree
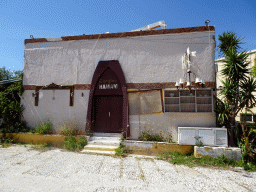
column 229, row 40
column 238, row 86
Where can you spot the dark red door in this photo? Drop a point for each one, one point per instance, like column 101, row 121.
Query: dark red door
column 108, row 114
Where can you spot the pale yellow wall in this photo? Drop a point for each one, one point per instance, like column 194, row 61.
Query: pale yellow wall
column 219, row 76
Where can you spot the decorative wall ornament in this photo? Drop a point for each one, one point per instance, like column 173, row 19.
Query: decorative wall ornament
column 53, row 87
column 186, row 66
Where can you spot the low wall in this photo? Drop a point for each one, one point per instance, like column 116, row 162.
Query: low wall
column 33, row 138
column 155, row 148
column 232, row 153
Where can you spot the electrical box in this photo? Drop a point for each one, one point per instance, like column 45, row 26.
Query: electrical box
column 208, row 136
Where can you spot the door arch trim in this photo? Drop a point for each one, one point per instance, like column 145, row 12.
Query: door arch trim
column 115, row 66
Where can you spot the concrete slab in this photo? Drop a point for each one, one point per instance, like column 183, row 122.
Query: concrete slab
column 232, row 153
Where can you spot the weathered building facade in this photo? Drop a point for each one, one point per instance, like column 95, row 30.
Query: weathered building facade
column 121, row 82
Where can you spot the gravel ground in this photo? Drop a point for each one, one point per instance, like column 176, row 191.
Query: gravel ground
column 23, row 169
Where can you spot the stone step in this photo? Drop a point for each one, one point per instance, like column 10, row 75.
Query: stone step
column 104, row 142
column 98, row 152
column 95, row 138
column 100, row 134
column 100, row 147
column 105, row 139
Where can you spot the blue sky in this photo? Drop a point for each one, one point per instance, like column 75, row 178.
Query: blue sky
column 50, row 18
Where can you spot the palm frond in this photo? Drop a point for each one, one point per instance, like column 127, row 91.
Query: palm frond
column 229, row 40
column 247, row 89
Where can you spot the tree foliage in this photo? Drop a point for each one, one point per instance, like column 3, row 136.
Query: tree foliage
column 253, row 71
column 229, row 40
column 10, row 107
column 237, row 93
column 6, row 74
column 222, row 110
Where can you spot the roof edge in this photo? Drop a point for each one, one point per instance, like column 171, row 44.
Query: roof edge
column 123, row 34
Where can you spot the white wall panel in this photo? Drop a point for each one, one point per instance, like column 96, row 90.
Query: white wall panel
column 145, row 59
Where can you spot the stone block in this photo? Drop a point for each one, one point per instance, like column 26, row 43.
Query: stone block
column 232, row 153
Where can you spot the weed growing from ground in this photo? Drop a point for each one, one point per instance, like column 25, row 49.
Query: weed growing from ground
column 71, row 144
column 5, row 141
column 147, row 136
column 249, row 166
column 190, row 160
column 198, row 143
column 120, row 150
column 41, row 147
column 44, row 127
column 122, row 137
column 68, row 129
column 168, row 138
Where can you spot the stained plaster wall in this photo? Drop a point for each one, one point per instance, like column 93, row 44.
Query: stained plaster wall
column 58, row 110
column 146, row 59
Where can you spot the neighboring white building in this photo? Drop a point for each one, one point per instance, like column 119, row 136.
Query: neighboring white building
column 121, row 82
column 250, row 117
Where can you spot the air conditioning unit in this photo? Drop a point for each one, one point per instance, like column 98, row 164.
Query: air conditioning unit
column 208, row 136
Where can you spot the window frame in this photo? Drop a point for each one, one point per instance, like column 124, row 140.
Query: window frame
column 202, row 103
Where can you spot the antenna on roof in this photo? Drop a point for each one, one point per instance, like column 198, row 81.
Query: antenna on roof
column 152, row 26
column 206, row 22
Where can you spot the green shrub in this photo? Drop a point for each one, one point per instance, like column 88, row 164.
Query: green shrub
column 81, row 143
column 147, row 136
column 120, row 150
column 11, row 108
column 246, row 140
column 249, row 166
column 44, row 127
column 71, row 144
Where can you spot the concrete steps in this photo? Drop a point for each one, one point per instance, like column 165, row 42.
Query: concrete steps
column 103, row 143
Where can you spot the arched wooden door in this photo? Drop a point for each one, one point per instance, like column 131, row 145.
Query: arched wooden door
column 107, row 109
column 108, row 114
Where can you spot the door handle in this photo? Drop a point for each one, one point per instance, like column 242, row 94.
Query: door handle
column 109, row 114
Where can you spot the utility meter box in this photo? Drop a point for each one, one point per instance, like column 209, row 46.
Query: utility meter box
column 208, row 136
